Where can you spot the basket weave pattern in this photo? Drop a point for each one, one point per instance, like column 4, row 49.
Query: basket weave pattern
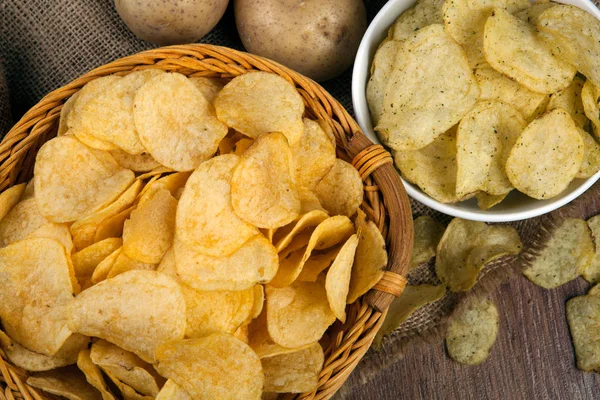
column 385, row 200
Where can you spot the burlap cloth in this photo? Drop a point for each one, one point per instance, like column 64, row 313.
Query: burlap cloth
column 46, row 43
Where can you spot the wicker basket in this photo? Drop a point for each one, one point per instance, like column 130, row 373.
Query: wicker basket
column 385, row 200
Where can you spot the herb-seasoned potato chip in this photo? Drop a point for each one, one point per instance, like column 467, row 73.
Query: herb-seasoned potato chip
column 36, row 289
column 313, row 154
column 93, row 374
column 431, row 88
column 428, row 233
column 176, row 123
column 484, row 139
column 296, row 372
column 532, row 13
column 210, row 87
column 591, row 273
column 512, row 47
column 284, row 236
column 73, row 181
column 147, row 305
column 337, row 282
column 422, row 14
column 591, row 156
column 467, row 246
column 486, row 201
column 472, row 332
column 67, row 382
column 124, row 263
column 341, row 189
column 142, row 162
column 381, row 69
column 574, row 35
column 22, row 220
column 583, row 314
column 299, row 314
column 591, row 105
column 569, row 99
column 217, row 366
column 105, row 266
column 263, row 186
column 64, row 114
column 255, row 262
column 566, row 255
column 547, row 156
column 259, row 103
column 9, row 198
column 172, row 391
column 205, row 217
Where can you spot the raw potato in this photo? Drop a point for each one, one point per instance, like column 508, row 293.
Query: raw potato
column 316, row 38
column 583, row 315
column 178, row 22
column 383, row 64
column 422, row 14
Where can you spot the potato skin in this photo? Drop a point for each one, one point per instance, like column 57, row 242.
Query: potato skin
column 317, row 38
column 171, row 21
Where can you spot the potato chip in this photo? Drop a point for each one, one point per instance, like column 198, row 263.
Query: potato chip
column 432, row 168
column 255, row 262
column 422, row 14
column 567, row 253
column 431, row 88
column 242, row 145
column 594, row 290
column 173, row 183
column 486, row 201
column 547, row 156
column 147, row 305
column 261, row 342
column 341, row 189
column 313, row 155
column 296, row 372
column 574, row 35
column 308, row 201
column 590, row 96
column 29, row 191
column 93, row 374
column 205, row 217
column 318, row 262
column 472, row 331
column 209, row 87
column 154, row 173
column 172, row 391
column 263, row 186
column 64, row 113
column 127, row 367
column 176, row 123
column 299, row 314
column 496, row 86
column 512, row 47
column 484, row 139
column 67, row 382
column 257, row 302
column 428, row 233
column 583, row 315
column 217, row 366
column 227, row 144
column 260, row 102
column 569, row 99
column 532, row 14
column 9, row 198
column 591, row 273
column 284, row 236
column 73, row 181
column 127, row 391
column 36, row 290
column 124, row 263
column 383, row 64
column 21, row 221
column 591, row 156
column 337, row 283
column 467, row 246
column 112, row 227
column 105, row 266
column 142, row 162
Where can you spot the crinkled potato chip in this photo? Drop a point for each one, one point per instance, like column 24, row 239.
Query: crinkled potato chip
column 313, row 155
column 484, row 139
column 583, row 315
column 105, row 266
column 381, row 69
column 431, row 88
column 569, row 99
column 172, row 391
column 567, row 253
column 176, row 123
column 68, row 382
column 337, row 283
column 142, row 162
column 591, row 156
column 206, row 220
column 428, row 233
column 591, row 273
column 512, row 47
column 127, row 391
column 296, row 372
column 93, row 374
column 263, row 186
column 217, row 366
column 590, row 96
column 299, row 314
column 124, row 263
column 73, row 181
column 64, row 114
column 209, row 87
column 486, row 201
column 422, row 14
column 260, row 102
column 36, row 291
column 472, row 331
column 284, row 236
column 341, row 189
column 467, row 246
column 574, row 35
column 21, row 221
column 547, row 156
column 147, row 305
column 9, row 198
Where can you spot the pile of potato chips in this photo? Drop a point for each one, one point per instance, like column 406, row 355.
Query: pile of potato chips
column 477, row 98
column 182, row 239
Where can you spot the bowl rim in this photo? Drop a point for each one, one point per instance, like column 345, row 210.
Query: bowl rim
column 373, row 36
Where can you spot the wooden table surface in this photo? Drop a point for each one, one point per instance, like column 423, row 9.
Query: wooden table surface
column 533, row 357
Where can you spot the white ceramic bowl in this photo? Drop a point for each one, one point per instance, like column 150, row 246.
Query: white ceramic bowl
column 516, row 206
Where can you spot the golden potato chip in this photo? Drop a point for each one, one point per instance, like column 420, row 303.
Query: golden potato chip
column 486, row 201
column 64, row 113
column 263, row 186
column 472, row 331
column 242, row 145
column 467, row 246
column 422, row 14
column 73, row 181
column 67, row 382
column 209, row 87
column 154, row 173
column 105, row 266
column 260, row 102
column 29, row 191
column 172, row 182
column 205, row 217
column 296, row 372
column 583, row 315
column 112, row 227
column 591, row 156
column 594, row 290
column 284, row 236
column 127, row 367
column 93, row 374
column 148, row 306
column 261, row 342
column 9, row 198
column 591, row 105
column 217, row 366
column 257, row 303
column 383, row 64
column 227, row 144
column 547, row 156
column 313, row 155
column 428, row 233
column 432, row 168
column 512, row 47
column 124, row 263
column 172, row 391
column 431, row 88
column 21, row 221
column 308, row 201
column 255, row 262
column 484, row 139
column 337, row 283
column 318, row 262
column 36, row 290
column 142, row 162
column 127, row 391
column 299, row 314
column 568, row 252
column 532, row 13
column 341, row 189
column 574, row 35
column 569, row 99
column 591, row 273
column 175, row 123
